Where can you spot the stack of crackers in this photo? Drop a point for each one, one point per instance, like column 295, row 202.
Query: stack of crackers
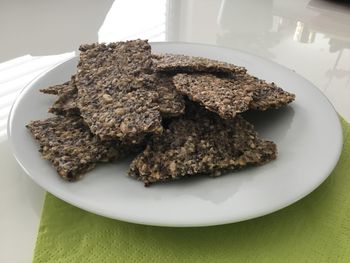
column 179, row 114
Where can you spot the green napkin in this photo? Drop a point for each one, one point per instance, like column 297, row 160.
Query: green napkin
column 315, row 229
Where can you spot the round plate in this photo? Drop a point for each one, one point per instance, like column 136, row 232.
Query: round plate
column 308, row 135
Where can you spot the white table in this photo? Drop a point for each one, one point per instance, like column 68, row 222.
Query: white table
column 310, row 37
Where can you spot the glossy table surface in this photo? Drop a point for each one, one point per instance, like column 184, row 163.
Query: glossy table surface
column 311, row 37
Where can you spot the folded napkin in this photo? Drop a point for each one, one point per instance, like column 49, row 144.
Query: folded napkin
column 315, row 229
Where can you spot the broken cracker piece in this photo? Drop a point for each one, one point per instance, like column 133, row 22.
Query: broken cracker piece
column 115, row 91
column 225, row 96
column 60, row 89
column 56, row 89
column 174, row 63
column 66, row 105
column 66, row 102
column 208, row 145
column 268, row 95
column 170, row 102
column 69, row 145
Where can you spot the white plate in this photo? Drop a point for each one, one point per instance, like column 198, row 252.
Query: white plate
column 308, row 135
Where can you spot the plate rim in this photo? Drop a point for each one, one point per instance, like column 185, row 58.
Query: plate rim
column 331, row 167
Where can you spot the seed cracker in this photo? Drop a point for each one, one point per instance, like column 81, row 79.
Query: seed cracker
column 170, row 102
column 268, row 95
column 189, row 64
column 115, row 95
column 67, row 87
column 201, row 145
column 66, row 102
column 66, row 105
column 57, row 89
column 225, row 96
column 69, row 145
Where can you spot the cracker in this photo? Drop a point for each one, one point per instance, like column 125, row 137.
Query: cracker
column 57, row 89
column 67, row 87
column 115, row 95
column 66, row 105
column 268, row 95
column 202, row 144
column 66, row 102
column 188, row 64
column 170, row 102
column 69, row 145
column 225, row 96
